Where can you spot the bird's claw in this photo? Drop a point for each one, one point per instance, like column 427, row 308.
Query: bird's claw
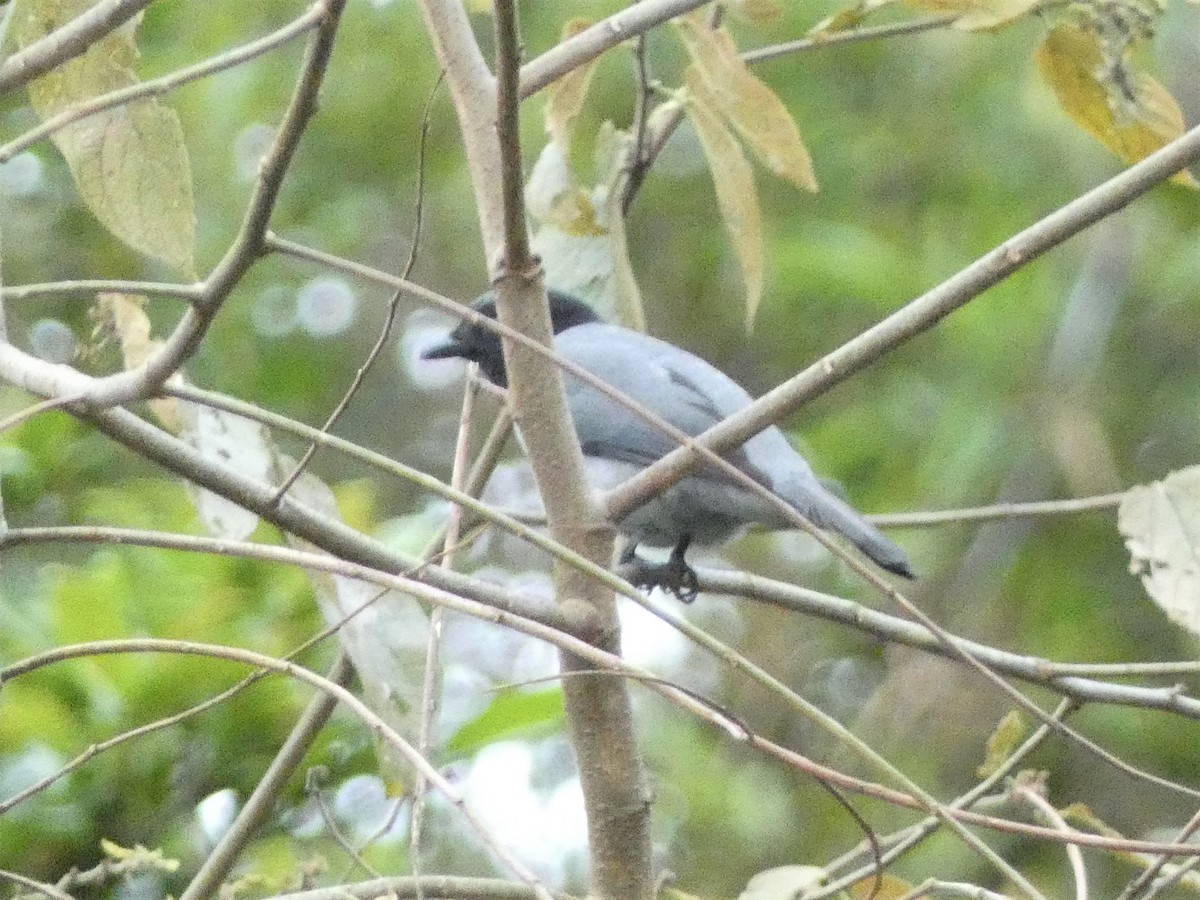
column 674, row 576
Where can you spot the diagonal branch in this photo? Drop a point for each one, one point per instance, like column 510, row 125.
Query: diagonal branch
column 918, row 316
column 67, row 41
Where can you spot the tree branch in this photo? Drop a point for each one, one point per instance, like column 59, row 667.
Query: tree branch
column 918, row 316
column 67, row 41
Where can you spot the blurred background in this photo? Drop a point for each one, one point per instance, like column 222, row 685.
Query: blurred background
column 1077, row 376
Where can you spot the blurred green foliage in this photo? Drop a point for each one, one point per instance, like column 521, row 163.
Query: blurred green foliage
column 1078, row 375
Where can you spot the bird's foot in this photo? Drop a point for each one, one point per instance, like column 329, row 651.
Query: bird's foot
column 674, row 576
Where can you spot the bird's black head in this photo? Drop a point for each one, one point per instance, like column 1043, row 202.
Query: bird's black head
column 475, row 343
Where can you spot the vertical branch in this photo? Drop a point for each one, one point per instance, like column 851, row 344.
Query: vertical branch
column 598, row 708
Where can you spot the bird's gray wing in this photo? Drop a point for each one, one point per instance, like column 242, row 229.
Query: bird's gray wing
column 675, row 385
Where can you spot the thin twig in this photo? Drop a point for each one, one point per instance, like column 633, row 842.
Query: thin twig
column 247, row 657
column 914, row 835
column 40, row 886
column 1135, row 888
column 66, row 41
column 160, row 86
column 36, row 409
column 850, row 36
column 896, row 630
column 432, row 683
column 220, row 862
column 1030, row 794
column 393, row 304
column 998, row 511
column 89, row 287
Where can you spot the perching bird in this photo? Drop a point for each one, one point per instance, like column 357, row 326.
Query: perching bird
column 706, row 507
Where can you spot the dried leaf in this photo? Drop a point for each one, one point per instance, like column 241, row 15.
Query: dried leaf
column 980, row 15
column 889, row 888
column 753, row 109
column 756, row 12
column 130, row 163
column 553, row 195
column 1133, row 115
column 1003, row 741
column 1161, row 526
column 566, row 95
column 737, row 195
column 124, row 317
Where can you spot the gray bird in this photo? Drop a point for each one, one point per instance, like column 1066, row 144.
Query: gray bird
column 707, row 507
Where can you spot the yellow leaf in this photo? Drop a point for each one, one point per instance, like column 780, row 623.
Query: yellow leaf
column 753, row 109
column 566, row 95
column 756, row 12
column 980, row 15
column 129, row 163
column 737, row 195
column 845, row 19
column 124, row 316
column 890, row 888
column 1133, row 116
column 1002, row 742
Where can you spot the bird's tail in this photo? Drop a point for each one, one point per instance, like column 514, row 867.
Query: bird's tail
column 825, row 510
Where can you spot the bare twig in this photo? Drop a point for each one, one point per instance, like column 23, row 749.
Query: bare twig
column 247, row 657
column 913, row 319
column 393, row 304
column 90, row 287
column 1032, row 795
column 998, row 511
column 896, row 630
column 850, row 36
column 434, row 887
column 913, row 835
column 582, row 48
column 220, row 862
column 39, row 886
column 159, row 86
column 67, row 41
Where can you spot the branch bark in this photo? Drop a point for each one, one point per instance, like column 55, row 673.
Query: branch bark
column 917, row 317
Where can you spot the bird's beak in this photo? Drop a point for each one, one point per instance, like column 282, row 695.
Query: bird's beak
column 447, row 350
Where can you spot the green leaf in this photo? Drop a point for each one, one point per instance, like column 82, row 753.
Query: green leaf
column 130, row 162
column 511, row 714
column 1002, row 742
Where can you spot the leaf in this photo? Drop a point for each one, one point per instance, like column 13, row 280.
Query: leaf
column 566, row 95
column 511, row 713
column 737, row 195
column 384, row 632
column 580, row 239
column 782, row 882
column 980, row 15
column 124, row 316
column 1161, row 526
column 890, row 888
column 129, row 163
column 235, row 442
column 1126, row 110
column 753, row 109
column 1002, row 742
column 845, row 19
column 756, row 12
